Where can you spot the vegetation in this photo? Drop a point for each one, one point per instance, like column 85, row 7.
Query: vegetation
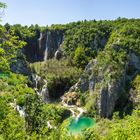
column 111, row 43
column 59, row 75
column 115, row 129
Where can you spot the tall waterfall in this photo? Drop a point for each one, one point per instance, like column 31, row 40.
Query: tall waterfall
column 47, row 45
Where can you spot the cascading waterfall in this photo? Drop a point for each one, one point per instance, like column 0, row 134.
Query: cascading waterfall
column 57, row 54
column 80, row 113
column 43, row 92
column 19, row 109
column 72, row 108
column 50, row 43
column 36, row 79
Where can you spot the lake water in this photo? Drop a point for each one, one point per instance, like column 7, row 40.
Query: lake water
column 76, row 126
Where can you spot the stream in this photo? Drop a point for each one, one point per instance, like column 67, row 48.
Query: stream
column 78, row 122
column 72, row 108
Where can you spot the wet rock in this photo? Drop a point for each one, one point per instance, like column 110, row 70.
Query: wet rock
column 85, row 80
column 58, row 55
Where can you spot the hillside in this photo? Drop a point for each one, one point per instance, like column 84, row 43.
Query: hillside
column 85, row 68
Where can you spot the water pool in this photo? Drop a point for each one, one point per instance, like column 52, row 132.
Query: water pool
column 77, row 125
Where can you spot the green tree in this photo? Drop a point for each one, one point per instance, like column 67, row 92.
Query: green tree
column 9, row 47
column 11, row 125
column 80, row 58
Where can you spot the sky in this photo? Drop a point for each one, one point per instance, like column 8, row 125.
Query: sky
column 47, row 12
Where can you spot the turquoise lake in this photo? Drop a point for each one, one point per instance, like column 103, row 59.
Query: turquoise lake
column 76, row 126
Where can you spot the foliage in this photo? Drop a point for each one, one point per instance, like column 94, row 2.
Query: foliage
column 11, row 125
column 14, row 87
column 117, row 129
column 81, row 58
column 38, row 114
column 135, row 92
column 109, row 42
column 59, row 75
column 9, row 47
column 87, row 37
column 136, row 83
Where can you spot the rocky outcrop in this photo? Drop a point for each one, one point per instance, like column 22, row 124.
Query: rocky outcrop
column 19, row 64
column 108, row 96
column 87, row 80
column 109, row 92
column 71, row 98
column 31, row 50
column 133, row 66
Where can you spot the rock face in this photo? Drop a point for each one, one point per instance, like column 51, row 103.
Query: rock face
column 49, row 43
column 31, row 50
column 58, row 54
column 45, row 47
column 20, row 65
column 108, row 93
column 71, row 98
column 133, row 66
column 87, row 80
column 108, row 96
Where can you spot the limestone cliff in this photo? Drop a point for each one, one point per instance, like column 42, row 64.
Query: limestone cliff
column 108, row 93
column 45, row 46
column 49, row 43
column 20, row 65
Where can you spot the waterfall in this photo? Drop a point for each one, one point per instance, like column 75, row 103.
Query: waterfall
column 19, row 109
column 58, row 53
column 44, row 44
column 36, row 80
column 72, row 108
column 80, row 113
column 43, row 90
column 52, row 44
column 47, row 46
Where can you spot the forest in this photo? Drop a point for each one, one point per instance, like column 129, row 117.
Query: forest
column 51, row 75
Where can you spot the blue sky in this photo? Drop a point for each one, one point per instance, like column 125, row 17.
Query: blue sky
column 47, row 12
